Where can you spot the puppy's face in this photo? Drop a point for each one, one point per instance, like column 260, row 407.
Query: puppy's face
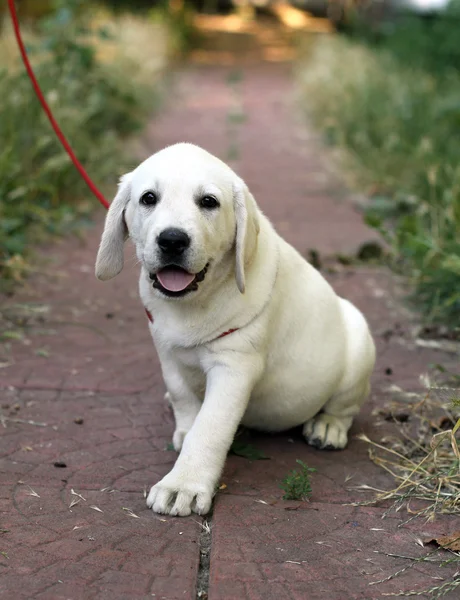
column 183, row 209
column 181, row 219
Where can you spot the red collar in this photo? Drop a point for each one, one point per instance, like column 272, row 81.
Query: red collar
column 150, row 318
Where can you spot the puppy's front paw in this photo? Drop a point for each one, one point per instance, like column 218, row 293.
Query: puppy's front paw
column 177, row 494
column 327, row 432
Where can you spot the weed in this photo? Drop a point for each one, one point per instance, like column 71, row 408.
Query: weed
column 297, row 485
column 235, row 76
column 425, row 464
column 436, row 591
column 425, row 461
column 395, row 124
column 235, row 116
column 233, row 152
column 82, row 71
column 431, row 43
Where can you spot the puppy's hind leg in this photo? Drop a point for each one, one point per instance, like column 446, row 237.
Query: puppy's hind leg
column 328, row 430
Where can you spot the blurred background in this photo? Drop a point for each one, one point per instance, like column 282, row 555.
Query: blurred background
column 379, row 78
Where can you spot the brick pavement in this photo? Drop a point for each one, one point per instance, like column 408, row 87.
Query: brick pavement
column 85, row 428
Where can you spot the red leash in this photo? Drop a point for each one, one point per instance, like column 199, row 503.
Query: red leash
column 46, row 108
column 57, row 129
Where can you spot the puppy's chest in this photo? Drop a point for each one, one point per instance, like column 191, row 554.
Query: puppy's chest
column 190, row 366
column 188, row 358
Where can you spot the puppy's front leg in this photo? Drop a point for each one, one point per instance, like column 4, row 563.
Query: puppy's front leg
column 191, row 484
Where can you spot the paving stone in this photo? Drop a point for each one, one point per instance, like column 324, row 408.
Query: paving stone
column 104, row 371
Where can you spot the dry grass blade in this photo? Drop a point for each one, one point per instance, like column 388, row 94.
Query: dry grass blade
column 130, row 513
column 24, row 421
column 74, row 493
column 74, row 501
column 32, row 492
column 436, row 591
column 424, row 462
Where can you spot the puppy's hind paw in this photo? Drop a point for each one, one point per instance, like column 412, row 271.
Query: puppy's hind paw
column 327, row 432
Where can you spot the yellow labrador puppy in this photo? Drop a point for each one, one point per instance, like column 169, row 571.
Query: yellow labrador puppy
column 246, row 330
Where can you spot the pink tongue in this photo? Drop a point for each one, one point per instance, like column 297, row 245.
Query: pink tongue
column 174, row 280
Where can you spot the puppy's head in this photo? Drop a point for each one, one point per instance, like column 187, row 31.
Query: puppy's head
column 190, row 218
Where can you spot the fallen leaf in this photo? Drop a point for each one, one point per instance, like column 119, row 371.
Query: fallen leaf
column 247, row 451
column 448, row 542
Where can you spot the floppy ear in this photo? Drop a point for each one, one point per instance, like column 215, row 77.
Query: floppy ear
column 247, row 229
column 109, row 261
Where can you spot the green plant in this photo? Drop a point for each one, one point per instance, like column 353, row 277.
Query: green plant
column 41, row 193
column 178, row 19
column 420, row 41
column 396, row 125
column 297, row 485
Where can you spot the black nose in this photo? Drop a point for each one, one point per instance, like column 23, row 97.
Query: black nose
column 173, row 241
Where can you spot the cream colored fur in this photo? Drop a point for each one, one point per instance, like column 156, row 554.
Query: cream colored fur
column 301, row 355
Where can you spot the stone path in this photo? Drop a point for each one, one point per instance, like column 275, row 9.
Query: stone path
column 85, row 429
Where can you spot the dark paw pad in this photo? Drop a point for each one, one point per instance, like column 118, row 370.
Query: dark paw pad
column 316, row 443
column 330, row 447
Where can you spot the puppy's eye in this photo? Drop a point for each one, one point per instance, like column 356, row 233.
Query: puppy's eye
column 149, row 199
column 208, row 202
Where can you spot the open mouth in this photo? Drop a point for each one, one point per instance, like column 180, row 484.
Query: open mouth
column 174, row 281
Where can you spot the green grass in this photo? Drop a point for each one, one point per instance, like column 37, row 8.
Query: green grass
column 428, row 43
column 397, row 126
column 297, row 485
column 101, row 88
